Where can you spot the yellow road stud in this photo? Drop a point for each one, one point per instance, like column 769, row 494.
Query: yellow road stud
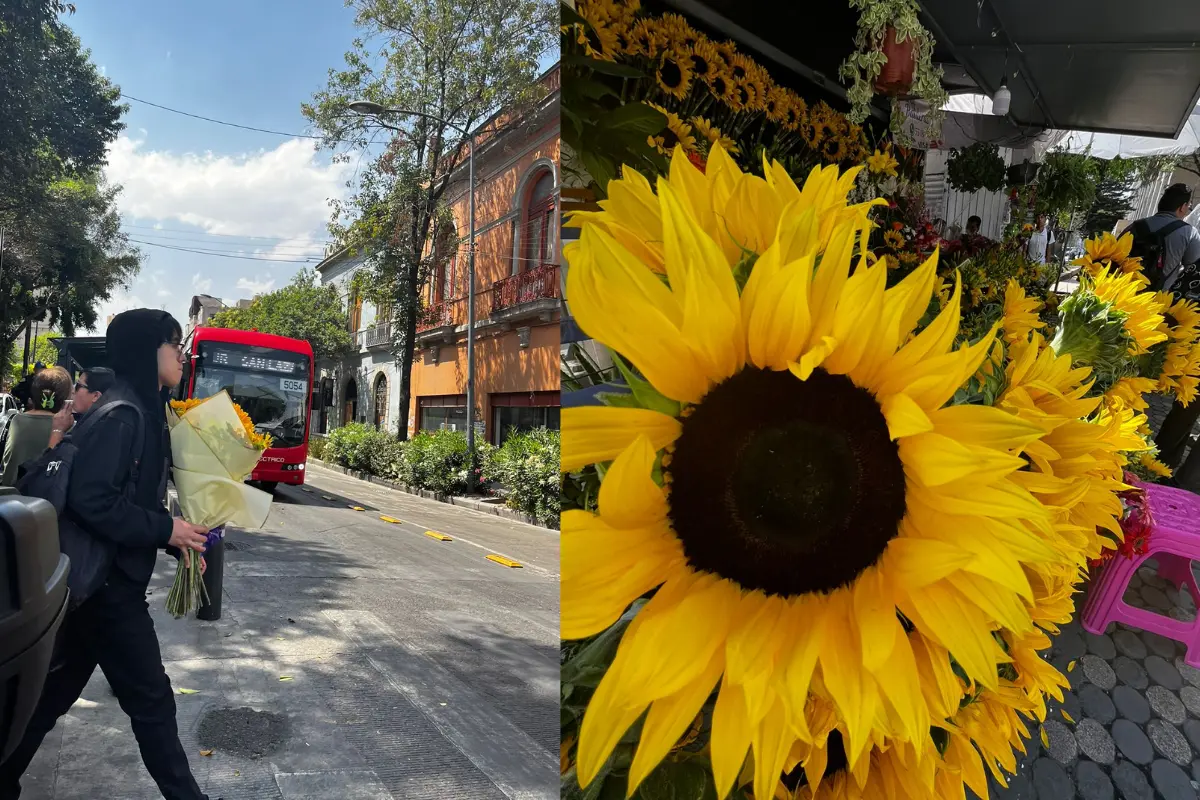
column 441, row 537
column 503, row 561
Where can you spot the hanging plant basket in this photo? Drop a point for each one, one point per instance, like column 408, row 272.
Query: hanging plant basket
column 896, row 77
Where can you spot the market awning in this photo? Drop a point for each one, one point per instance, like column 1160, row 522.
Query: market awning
column 1084, row 65
column 80, row 353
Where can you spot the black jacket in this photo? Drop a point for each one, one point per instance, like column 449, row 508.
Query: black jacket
column 141, row 525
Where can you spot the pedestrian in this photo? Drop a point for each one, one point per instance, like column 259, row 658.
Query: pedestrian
column 89, row 388
column 112, row 628
column 28, row 433
column 974, row 223
column 1039, row 240
column 1165, row 242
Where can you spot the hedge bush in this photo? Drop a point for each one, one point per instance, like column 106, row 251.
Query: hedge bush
column 527, row 466
column 362, row 448
column 316, row 447
column 437, row 461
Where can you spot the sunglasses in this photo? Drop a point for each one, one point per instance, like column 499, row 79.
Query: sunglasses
column 81, row 385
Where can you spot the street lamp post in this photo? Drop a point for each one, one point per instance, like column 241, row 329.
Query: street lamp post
column 368, row 108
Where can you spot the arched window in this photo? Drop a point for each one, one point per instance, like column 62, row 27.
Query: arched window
column 446, row 260
column 381, row 401
column 538, row 225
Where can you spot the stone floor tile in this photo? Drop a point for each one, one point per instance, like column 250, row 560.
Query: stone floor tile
column 1164, row 673
column 1098, row 704
column 1130, row 644
column 1051, row 781
column 1131, row 782
column 1100, row 644
column 1188, row 672
column 1190, row 696
column 1131, row 672
column 1160, row 645
column 1092, row 782
column 1097, row 670
column 1094, row 741
column 1131, row 704
column 1132, row 742
column 1166, row 704
column 1169, row 742
column 1171, row 781
column 1063, row 747
column 1191, row 729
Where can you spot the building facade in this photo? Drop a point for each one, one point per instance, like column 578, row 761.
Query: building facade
column 518, row 291
column 518, row 286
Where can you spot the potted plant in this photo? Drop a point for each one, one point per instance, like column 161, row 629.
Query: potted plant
column 979, row 166
column 893, row 55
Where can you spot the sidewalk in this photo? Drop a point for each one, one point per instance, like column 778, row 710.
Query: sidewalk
column 355, row 660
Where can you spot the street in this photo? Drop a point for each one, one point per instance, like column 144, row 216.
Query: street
column 356, row 659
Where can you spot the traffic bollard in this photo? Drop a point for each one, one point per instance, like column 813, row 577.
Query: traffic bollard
column 214, row 557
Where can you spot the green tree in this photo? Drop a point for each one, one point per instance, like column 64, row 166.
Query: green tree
column 40, row 349
column 58, row 114
column 456, row 61
column 301, row 310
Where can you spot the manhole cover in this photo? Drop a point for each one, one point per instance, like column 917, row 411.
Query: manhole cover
column 243, row 731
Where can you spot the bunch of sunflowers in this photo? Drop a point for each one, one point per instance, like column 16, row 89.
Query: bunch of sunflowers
column 832, row 535
column 710, row 93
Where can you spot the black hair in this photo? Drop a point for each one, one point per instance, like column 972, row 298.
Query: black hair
column 100, row 379
column 976, row 219
column 1175, row 196
column 170, row 331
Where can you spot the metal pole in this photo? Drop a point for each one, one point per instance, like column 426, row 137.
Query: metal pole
column 471, row 315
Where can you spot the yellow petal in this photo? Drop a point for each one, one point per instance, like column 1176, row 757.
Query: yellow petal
column 771, row 742
column 958, row 626
column 900, row 684
column 730, row 737
column 813, row 358
column 629, row 497
column 875, row 616
column 607, row 719
column 985, row 426
column 668, row 720
column 596, row 434
column 807, row 636
column 936, row 460
column 904, row 417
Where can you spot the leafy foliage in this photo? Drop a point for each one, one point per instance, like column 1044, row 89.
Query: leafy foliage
column 457, row 62
column 301, row 310
column 979, row 166
column 363, row 448
column 64, row 251
column 40, row 349
column 527, row 465
column 1067, row 183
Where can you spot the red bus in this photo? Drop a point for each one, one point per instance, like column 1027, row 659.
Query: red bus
column 270, row 377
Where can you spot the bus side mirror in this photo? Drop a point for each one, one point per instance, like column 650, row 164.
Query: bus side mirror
column 33, row 602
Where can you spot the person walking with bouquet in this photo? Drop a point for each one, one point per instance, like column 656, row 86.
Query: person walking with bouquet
column 116, row 496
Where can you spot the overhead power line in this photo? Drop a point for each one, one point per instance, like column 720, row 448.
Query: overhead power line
column 220, row 254
column 218, row 121
column 207, row 233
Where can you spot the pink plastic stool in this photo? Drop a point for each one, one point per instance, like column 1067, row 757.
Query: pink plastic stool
column 1174, row 543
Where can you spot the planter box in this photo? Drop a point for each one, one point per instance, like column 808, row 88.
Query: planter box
column 483, row 505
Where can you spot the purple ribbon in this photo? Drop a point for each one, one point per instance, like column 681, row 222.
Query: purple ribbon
column 214, row 536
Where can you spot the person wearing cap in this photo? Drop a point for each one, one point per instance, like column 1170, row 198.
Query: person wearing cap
column 116, row 495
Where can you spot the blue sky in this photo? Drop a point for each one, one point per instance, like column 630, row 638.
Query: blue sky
column 196, row 185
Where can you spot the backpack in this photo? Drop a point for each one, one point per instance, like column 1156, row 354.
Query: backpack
column 1151, row 248
column 49, row 477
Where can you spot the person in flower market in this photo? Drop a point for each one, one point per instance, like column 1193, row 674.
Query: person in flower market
column 22, row 390
column 1039, row 240
column 112, row 628
column 1165, row 242
column 973, row 225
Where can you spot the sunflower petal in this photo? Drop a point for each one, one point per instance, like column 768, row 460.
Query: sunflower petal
column 596, row 434
column 629, row 497
column 730, row 740
column 904, row 417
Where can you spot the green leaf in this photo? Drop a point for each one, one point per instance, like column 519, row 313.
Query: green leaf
column 603, row 67
column 742, row 270
column 636, row 117
column 600, row 167
column 644, row 391
column 619, row 399
column 677, row 781
column 588, row 666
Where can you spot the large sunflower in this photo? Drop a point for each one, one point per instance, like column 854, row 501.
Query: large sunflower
column 1020, row 313
column 829, row 542
column 674, row 72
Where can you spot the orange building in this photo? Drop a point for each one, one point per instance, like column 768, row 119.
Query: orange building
column 517, row 285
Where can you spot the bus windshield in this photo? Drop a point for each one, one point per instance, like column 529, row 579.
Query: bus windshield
column 270, row 385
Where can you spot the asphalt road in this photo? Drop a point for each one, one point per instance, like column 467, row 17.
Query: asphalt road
column 356, row 659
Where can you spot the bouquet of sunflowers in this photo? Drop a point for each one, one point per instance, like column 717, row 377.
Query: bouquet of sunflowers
column 833, row 533
column 214, row 448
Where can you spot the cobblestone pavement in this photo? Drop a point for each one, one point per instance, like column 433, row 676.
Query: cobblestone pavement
column 1131, row 727
column 1132, row 724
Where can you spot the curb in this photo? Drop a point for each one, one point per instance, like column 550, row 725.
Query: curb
column 471, row 503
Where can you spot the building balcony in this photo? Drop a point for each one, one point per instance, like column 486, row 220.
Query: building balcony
column 377, row 336
column 533, row 294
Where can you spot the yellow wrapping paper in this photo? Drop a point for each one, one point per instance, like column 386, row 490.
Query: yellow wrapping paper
column 212, row 457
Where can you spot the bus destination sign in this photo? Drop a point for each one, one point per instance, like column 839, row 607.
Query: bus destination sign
column 254, row 363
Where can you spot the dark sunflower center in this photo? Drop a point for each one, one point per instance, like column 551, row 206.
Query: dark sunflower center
column 670, row 73
column 784, row 485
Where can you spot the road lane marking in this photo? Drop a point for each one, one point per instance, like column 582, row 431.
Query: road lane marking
column 357, row 508
column 504, row 561
column 441, row 537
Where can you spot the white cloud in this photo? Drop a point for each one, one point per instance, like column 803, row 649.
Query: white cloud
column 201, row 285
column 282, row 192
column 256, row 285
column 122, row 300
